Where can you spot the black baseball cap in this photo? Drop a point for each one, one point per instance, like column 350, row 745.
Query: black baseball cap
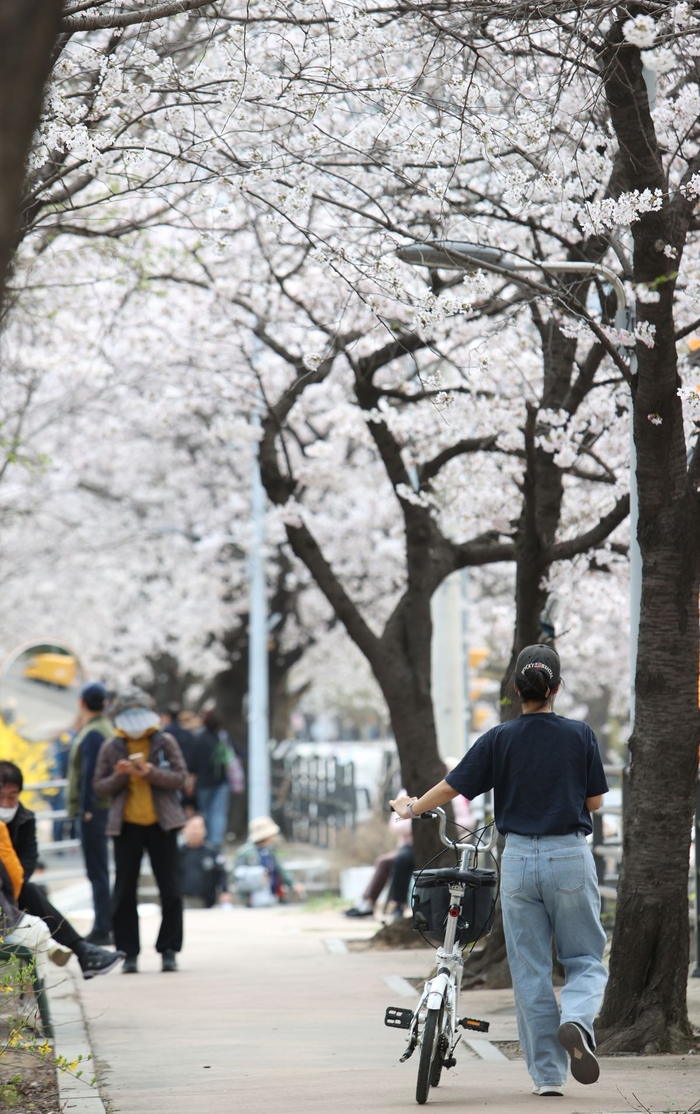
column 541, row 657
column 94, row 696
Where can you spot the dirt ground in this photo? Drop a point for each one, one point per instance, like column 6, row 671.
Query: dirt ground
column 27, row 1084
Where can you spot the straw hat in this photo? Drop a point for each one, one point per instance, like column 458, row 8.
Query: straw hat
column 262, row 828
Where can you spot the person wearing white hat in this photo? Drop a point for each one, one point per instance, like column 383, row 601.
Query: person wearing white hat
column 257, row 870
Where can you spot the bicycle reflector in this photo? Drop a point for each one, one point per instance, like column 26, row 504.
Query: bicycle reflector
column 474, row 1025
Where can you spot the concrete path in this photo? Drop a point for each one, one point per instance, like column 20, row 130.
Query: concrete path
column 264, row 1016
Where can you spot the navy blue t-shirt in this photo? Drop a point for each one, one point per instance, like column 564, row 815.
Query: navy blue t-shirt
column 541, row 768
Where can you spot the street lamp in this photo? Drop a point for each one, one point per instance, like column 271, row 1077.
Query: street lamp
column 258, row 696
column 459, row 255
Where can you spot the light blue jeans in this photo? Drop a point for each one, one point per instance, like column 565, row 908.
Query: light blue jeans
column 213, row 805
column 549, row 889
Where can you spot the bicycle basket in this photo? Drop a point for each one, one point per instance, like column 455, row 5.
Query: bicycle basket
column 431, row 900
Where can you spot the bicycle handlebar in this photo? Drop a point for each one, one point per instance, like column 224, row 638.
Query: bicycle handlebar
column 441, row 815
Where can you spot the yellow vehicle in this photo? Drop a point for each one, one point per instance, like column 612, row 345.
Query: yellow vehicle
column 53, row 669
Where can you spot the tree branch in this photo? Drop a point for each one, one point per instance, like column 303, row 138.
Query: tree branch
column 90, row 22
column 431, row 468
column 564, row 551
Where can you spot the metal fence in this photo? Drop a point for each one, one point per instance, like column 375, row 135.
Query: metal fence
column 313, row 798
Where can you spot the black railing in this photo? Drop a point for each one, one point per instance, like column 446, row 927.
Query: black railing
column 313, row 798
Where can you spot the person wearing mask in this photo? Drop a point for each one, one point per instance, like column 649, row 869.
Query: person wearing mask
column 92, row 810
column 202, row 868
column 143, row 771
column 21, row 826
column 212, row 757
column 547, row 777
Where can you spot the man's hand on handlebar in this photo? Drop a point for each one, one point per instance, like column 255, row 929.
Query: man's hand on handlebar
column 400, row 806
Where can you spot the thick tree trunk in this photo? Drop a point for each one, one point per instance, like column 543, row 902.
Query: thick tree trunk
column 28, row 32
column 645, row 1004
column 404, row 674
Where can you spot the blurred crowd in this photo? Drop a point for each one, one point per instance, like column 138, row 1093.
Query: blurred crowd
column 160, row 781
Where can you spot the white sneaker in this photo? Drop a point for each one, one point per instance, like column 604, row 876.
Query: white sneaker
column 551, row 1090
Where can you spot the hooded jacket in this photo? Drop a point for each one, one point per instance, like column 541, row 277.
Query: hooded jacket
column 165, row 779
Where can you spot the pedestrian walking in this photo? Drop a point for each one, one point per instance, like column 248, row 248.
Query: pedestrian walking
column 185, row 739
column 21, row 826
column 547, row 777
column 211, row 761
column 92, row 810
column 143, row 771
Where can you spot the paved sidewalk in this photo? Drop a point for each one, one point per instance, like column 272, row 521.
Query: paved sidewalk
column 264, row 1017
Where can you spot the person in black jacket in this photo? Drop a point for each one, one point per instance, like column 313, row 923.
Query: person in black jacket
column 170, row 722
column 21, row 824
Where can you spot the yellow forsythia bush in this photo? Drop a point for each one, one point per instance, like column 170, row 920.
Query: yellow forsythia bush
column 33, row 759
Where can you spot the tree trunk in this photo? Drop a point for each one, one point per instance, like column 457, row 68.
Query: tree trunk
column 645, row 1004
column 28, row 31
column 405, row 685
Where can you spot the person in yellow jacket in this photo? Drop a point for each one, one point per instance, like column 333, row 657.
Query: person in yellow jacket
column 143, row 771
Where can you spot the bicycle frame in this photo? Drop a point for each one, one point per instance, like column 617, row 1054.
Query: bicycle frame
column 442, row 991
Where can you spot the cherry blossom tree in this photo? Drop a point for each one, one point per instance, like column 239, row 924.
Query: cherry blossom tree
column 634, row 69
column 275, row 167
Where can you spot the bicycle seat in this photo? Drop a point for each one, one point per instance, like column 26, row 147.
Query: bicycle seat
column 446, row 875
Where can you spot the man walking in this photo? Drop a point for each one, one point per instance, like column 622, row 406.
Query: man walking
column 92, row 810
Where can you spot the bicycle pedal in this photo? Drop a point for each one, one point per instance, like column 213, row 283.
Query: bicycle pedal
column 475, row 1026
column 397, row 1018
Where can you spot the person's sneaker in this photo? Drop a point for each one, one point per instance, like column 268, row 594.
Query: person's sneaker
column 97, row 961
column 102, row 939
column 169, row 961
column 59, row 955
column 355, row 912
column 547, row 1091
column 584, row 1066
column 131, row 966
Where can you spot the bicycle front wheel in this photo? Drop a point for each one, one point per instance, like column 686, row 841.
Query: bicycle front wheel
column 428, row 1052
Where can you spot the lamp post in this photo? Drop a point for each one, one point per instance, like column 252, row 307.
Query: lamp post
column 258, row 696
column 457, row 255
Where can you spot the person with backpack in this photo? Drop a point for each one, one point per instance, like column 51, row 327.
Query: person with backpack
column 547, row 777
column 211, row 760
column 142, row 770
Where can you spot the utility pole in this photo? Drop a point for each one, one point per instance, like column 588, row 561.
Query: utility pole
column 258, row 695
